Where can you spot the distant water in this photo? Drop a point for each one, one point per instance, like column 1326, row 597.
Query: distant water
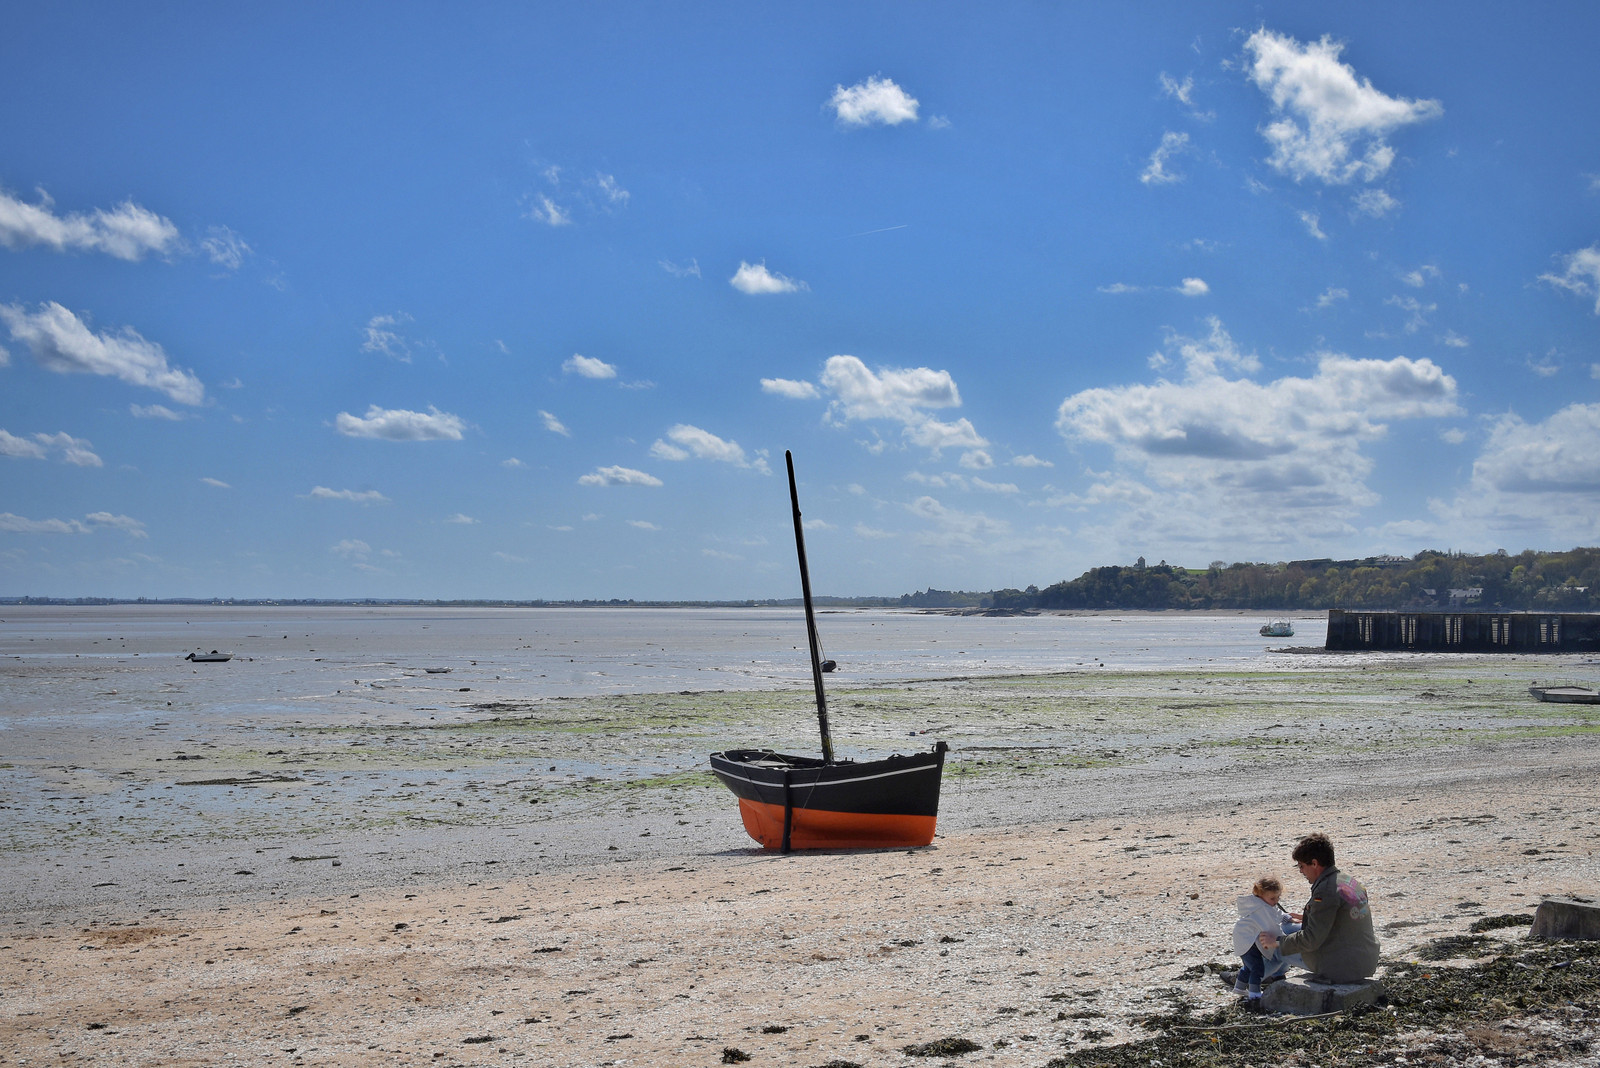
column 299, row 653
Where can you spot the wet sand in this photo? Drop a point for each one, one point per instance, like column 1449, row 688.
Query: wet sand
column 488, row 887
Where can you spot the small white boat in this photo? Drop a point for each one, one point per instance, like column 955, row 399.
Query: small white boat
column 1278, row 628
column 213, row 657
column 1566, row 695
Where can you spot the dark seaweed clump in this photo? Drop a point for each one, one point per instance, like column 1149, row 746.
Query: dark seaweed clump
column 943, row 1047
column 1495, row 923
column 1535, row 1002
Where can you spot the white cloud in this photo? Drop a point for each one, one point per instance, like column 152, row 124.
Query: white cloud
column 75, row 451
column 400, row 424
column 16, row 524
column 381, row 336
column 1374, row 202
column 1329, row 124
column 642, row 524
column 1453, row 436
column 128, row 525
column 900, row 394
column 127, row 231
column 512, row 462
column 1221, row 451
column 684, row 441
column 156, row 411
column 954, row 529
column 1416, row 312
column 547, row 211
column 1313, row 225
column 1119, row 287
column 876, row 100
column 61, row 342
column 1540, row 479
column 215, row 483
column 554, row 425
column 1155, row 172
column 226, row 248
column 1421, row 276
column 588, row 367
column 1545, row 368
column 1453, row 340
column 323, row 493
column 1331, row 296
column 977, row 460
column 618, row 476
column 872, row 533
column 788, row 387
column 1029, row 460
column 691, row 270
column 1194, row 287
column 1580, row 274
column 462, row 519
column 613, row 193
column 1182, row 92
column 754, row 278
column 352, row 549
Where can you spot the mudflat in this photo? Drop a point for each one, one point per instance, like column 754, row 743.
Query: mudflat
column 560, row 882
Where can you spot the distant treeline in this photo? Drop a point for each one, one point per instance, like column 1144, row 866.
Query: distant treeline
column 1569, row 581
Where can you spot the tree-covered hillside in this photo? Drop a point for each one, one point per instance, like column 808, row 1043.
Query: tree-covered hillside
column 1566, row 581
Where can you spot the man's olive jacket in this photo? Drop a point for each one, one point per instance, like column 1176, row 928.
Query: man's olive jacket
column 1337, row 941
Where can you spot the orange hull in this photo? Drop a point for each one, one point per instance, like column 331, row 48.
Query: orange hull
column 816, row 829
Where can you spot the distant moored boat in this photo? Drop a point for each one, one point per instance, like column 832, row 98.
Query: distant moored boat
column 213, row 657
column 1278, row 628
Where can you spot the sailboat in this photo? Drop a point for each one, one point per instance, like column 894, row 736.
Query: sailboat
column 802, row 802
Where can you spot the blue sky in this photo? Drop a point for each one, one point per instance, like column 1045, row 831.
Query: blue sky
column 527, row 301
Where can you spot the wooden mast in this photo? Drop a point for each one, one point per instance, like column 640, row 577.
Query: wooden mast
column 811, row 621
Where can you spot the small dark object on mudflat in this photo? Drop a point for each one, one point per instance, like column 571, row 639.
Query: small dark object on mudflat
column 477, row 1039
column 1495, row 923
column 774, row 1029
column 838, row 1062
column 730, row 1055
column 943, row 1047
column 1456, row 946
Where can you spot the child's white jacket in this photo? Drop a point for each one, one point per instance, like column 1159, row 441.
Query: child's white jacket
column 1255, row 917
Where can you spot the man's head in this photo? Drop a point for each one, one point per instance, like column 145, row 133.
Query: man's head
column 1314, row 854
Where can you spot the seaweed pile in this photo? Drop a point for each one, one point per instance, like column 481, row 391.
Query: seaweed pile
column 1515, row 1003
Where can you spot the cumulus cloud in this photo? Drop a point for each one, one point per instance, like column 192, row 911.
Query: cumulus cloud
column 16, row 524
column 547, row 211
column 689, row 270
column 127, row 231
column 1331, row 296
column 588, row 367
column 323, row 493
column 684, row 442
column 70, row 450
column 1535, row 480
column 904, row 395
column 1194, row 287
column 878, row 100
column 788, row 387
column 63, row 343
column 618, row 476
column 399, row 424
column 1329, row 124
column 754, row 278
column 1219, row 450
column 215, row 483
column 1313, row 224
column 1029, row 460
column 1155, row 171
column 1580, row 274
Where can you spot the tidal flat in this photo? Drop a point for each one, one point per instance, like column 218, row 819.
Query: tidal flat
column 266, row 856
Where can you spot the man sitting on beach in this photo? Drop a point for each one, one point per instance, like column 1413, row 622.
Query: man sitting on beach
column 1336, row 942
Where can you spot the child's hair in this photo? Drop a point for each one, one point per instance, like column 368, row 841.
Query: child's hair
column 1266, row 885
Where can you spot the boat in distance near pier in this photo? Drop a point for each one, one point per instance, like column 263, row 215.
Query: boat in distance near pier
column 801, row 802
column 1278, row 628
column 1566, row 695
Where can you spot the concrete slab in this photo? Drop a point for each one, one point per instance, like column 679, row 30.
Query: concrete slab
column 1563, row 918
column 1299, row 996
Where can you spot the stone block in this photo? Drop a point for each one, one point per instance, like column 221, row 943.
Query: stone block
column 1563, row 918
column 1300, row 996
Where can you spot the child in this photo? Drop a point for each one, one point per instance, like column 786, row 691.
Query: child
column 1259, row 912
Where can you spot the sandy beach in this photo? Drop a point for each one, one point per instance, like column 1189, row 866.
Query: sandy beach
column 482, row 885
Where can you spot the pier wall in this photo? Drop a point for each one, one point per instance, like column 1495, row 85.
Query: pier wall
column 1465, row 632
